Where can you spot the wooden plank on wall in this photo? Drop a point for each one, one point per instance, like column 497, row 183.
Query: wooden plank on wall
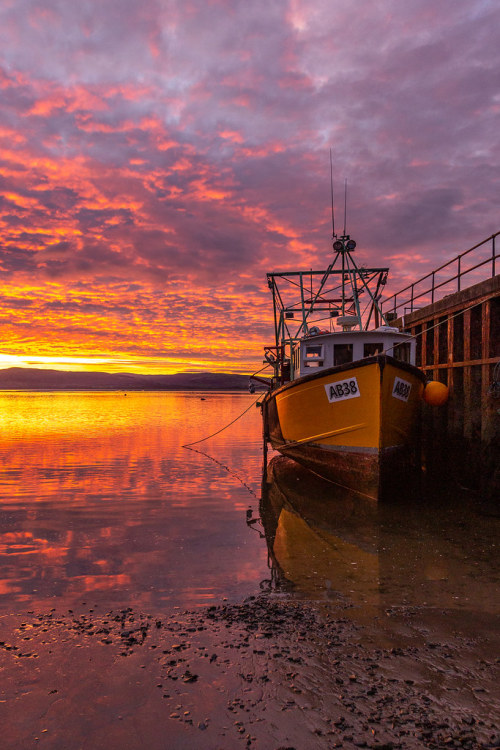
column 468, row 419
column 451, row 413
column 450, row 352
column 435, row 374
column 487, row 411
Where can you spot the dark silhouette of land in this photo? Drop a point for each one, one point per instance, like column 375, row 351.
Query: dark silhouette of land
column 21, row 378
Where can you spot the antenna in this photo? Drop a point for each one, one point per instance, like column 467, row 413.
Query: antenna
column 345, row 203
column 331, row 192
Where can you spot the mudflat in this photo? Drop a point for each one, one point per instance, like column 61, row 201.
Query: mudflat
column 270, row 672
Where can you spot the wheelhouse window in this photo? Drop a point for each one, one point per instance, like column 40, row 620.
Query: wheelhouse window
column 342, row 354
column 313, row 352
column 370, row 350
column 313, row 355
column 402, row 352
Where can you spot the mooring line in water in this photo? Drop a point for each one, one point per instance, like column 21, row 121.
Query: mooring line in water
column 223, row 466
column 188, row 445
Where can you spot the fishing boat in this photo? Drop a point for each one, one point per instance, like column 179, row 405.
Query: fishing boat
column 345, row 392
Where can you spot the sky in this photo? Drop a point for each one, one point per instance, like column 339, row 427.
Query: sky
column 157, row 158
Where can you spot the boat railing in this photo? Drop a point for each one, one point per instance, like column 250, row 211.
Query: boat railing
column 436, row 287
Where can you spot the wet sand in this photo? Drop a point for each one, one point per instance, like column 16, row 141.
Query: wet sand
column 272, row 672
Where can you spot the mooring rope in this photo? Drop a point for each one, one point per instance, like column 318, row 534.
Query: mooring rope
column 189, row 446
column 223, row 466
column 202, row 440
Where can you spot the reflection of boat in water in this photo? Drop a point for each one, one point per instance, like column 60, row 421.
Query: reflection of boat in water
column 344, row 403
column 321, row 538
column 326, row 542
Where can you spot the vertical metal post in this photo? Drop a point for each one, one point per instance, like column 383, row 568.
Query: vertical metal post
column 276, row 331
column 432, row 292
column 459, row 272
column 354, row 286
column 493, row 256
column 343, row 283
column 304, row 318
column 412, row 293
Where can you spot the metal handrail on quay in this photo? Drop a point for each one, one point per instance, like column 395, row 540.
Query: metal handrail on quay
column 391, row 303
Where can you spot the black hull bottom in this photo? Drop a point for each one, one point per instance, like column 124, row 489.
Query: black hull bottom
column 380, row 475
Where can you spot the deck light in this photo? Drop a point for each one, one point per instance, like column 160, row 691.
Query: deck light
column 338, row 246
column 350, row 244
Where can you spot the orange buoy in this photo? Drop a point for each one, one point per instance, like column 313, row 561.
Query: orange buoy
column 435, row 393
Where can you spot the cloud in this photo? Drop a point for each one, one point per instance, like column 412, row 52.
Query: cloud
column 161, row 157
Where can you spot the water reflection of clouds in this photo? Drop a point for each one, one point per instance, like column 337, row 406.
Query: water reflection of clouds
column 117, row 505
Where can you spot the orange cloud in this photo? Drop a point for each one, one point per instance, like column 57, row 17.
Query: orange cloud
column 231, row 135
column 145, row 189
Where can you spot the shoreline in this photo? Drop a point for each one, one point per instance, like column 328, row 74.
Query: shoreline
column 198, row 389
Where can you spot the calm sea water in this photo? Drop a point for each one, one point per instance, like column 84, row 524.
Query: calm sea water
column 99, row 502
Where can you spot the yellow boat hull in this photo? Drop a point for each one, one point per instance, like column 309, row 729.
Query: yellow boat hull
column 356, row 424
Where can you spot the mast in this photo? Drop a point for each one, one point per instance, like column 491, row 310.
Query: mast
column 295, row 296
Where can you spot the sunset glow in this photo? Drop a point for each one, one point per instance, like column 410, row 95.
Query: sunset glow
column 157, row 159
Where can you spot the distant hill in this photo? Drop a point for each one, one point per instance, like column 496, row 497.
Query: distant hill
column 20, row 378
